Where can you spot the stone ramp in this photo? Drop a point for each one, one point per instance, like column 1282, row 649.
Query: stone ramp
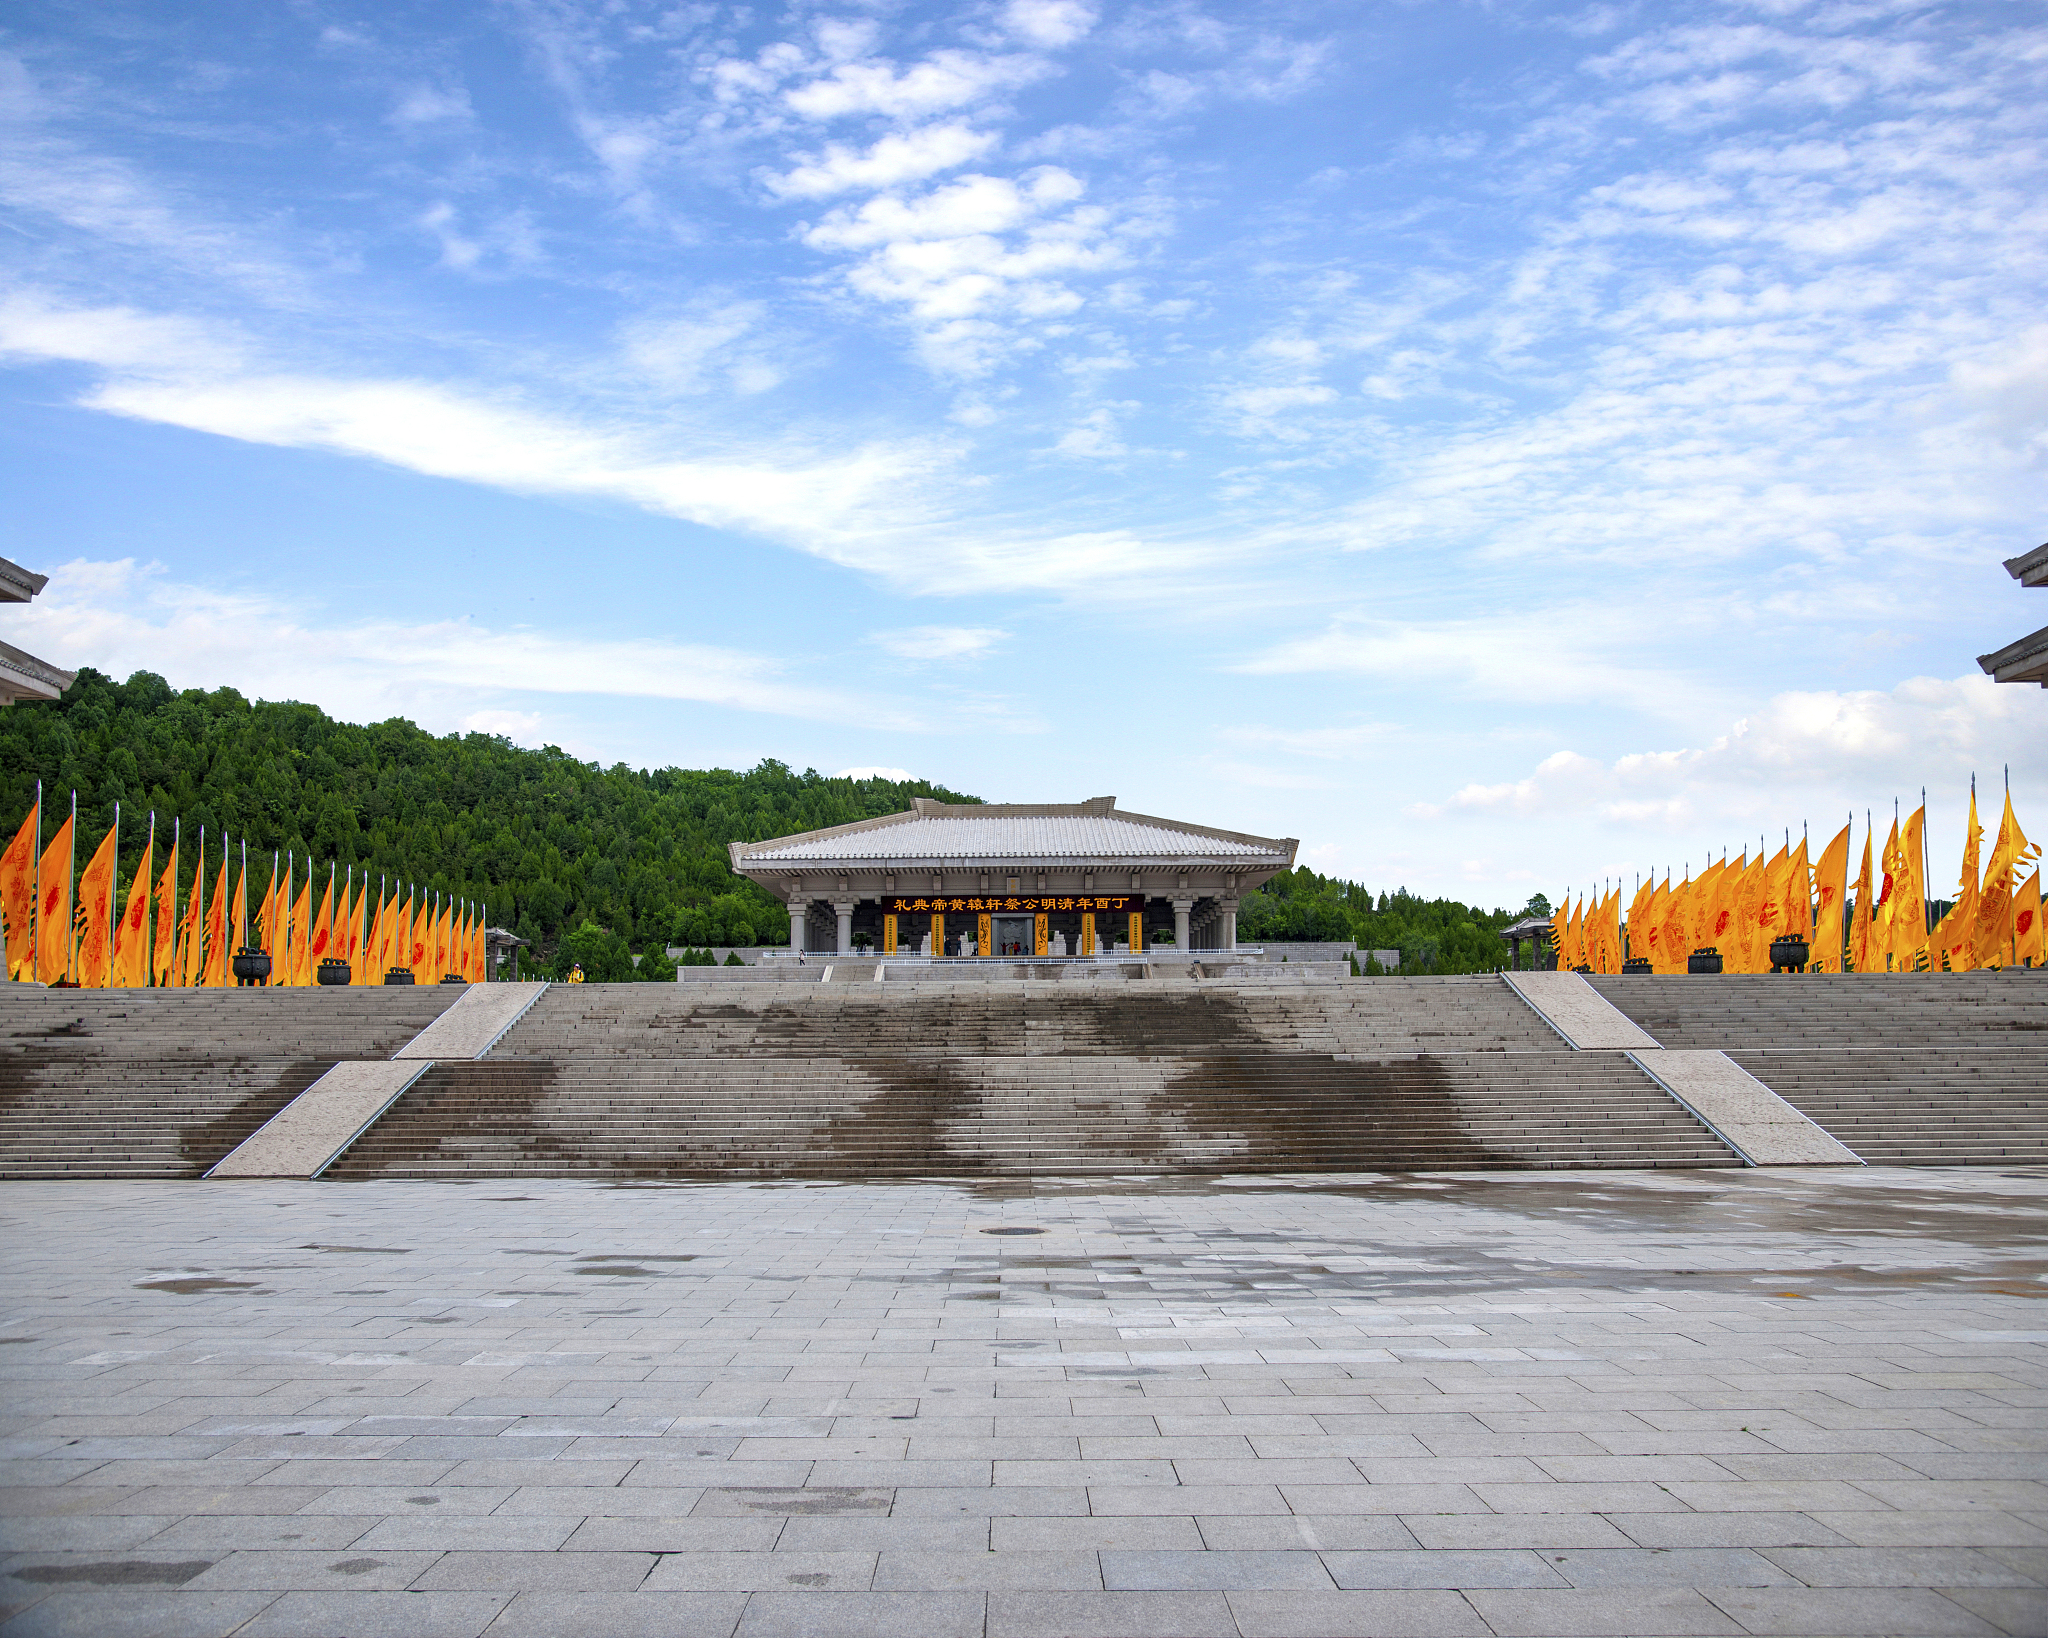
column 1735, row 1105
column 304, row 1138
column 1198, row 1111
column 163, row 1083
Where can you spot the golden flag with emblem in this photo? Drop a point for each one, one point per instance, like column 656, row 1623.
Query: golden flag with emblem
column 53, row 914
column 163, row 960
column 95, row 917
column 1864, row 941
column 2030, row 944
column 18, row 897
column 1952, row 945
column 1909, row 896
column 131, row 933
column 216, row 974
column 1995, row 936
column 1830, row 885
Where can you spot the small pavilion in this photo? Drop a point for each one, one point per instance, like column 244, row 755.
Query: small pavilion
column 1010, row 881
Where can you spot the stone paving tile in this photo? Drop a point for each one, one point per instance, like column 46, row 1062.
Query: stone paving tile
column 622, row 1615
column 127, row 1613
column 377, row 1615
column 1355, row 1615
column 1110, row 1615
column 1778, row 1612
column 1631, row 1613
column 1299, row 1406
column 863, row 1615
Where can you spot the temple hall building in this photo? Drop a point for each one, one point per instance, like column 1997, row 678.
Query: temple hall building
column 1021, row 880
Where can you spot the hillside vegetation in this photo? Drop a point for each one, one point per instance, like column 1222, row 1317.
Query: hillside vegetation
column 588, row 862
column 549, row 842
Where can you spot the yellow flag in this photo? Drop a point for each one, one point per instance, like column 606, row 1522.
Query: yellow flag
column 2030, row 944
column 1742, row 894
column 53, row 914
column 96, row 883
column 1677, row 926
column 1560, row 930
column 1909, row 896
column 131, row 935
column 1830, row 883
column 18, row 897
column 1865, row 945
column 1798, row 893
column 1952, row 945
column 1995, row 933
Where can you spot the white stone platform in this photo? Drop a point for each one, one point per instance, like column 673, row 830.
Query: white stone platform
column 1578, row 1012
column 1748, row 1116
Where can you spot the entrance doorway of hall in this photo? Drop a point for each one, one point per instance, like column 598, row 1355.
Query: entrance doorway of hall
column 1013, row 936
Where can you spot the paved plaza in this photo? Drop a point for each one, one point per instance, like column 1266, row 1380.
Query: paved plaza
column 1767, row 1402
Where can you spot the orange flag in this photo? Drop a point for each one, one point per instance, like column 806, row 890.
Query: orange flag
column 444, row 943
column 95, row 916
column 131, row 933
column 162, row 966
column 2029, row 940
column 18, row 896
column 322, row 946
column 380, row 938
column 422, row 933
column 1798, row 900
column 359, row 936
column 1560, row 930
column 299, row 930
column 1995, row 934
column 192, row 926
column 215, row 975
column 53, row 915
column 1830, row 882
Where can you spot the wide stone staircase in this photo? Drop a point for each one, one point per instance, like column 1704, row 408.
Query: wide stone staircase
column 163, row 1083
column 1010, row 1079
column 1921, row 1069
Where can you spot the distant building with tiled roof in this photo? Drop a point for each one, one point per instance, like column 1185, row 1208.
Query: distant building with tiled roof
column 1002, row 876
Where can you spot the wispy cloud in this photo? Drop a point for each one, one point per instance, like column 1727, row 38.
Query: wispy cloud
column 124, row 616
column 940, row 642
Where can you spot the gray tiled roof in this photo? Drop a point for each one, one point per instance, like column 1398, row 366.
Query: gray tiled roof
column 1040, row 836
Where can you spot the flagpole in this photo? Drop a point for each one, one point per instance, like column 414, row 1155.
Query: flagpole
column 113, row 894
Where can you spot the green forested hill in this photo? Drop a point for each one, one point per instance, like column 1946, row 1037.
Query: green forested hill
column 548, row 842
column 1433, row 935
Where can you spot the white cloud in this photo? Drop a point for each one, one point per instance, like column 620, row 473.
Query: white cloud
column 433, row 105
column 945, row 80
column 1804, row 755
column 940, row 642
column 893, row 160
column 1329, row 744
column 521, row 727
column 1096, row 436
column 899, row 775
column 1048, row 23
column 694, row 353
column 971, row 251
column 122, row 617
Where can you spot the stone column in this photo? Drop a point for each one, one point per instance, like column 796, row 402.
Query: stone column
column 1228, row 941
column 798, row 910
column 843, row 909
column 1181, row 907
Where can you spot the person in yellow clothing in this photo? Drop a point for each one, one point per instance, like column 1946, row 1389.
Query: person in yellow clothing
column 576, row 973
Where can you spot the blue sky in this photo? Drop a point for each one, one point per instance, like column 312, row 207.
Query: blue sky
column 1502, row 445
